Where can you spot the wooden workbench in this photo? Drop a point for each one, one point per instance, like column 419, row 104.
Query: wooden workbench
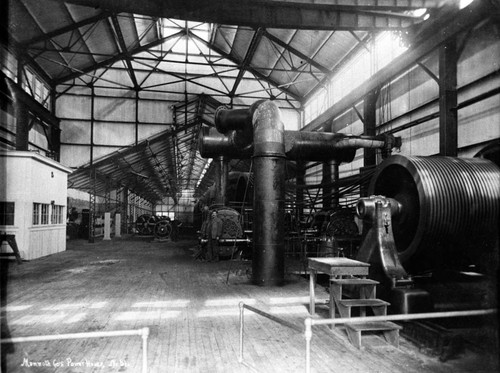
column 335, row 268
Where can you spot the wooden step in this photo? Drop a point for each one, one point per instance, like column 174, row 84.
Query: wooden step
column 373, row 326
column 378, row 306
column 353, row 281
column 390, row 330
column 363, row 302
column 358, row 288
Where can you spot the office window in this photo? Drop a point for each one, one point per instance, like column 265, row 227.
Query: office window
column 45, row 214
column 36, row 213
column 41, row 213
column 57, row 214
column 7, row 213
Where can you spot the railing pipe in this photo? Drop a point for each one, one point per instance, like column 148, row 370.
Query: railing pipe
column 274, row 318
column 309, row 322
column 308, row 337
column 144, row 333
column 266, row 315
column 242, row 309
column 404, row 317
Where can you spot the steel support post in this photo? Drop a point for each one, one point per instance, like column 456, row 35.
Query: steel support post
column 299, row 192
column 327, row 185
column 92, row 206
column 448, row 122
column 369, row 125
column 22, row 126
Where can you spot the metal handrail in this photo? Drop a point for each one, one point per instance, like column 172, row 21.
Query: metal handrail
column 266, row 315
column 144, row 333
column 309, row 322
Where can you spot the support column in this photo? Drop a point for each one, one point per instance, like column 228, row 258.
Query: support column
column 118, row 224
column 327, row 186
column 22, row 125
column 369, row 125
column 448, row 122
column 92, row 196
column 107, row 226
column 335, row 180
column 299, row 192
column 92, row 206
column 222, row 173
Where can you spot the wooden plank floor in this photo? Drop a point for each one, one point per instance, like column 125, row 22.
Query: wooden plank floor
column 192, row 313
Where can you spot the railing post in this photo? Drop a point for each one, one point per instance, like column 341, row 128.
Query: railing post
column 145, row 334
column 240, row 357
column 308, row 336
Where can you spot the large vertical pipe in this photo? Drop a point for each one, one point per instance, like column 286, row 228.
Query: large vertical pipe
column 221, row 170
column 268, row 262
column 330, row 184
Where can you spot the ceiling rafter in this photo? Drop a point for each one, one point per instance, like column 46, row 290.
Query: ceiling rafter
column 218, row 74
column 123, row 47
column 273, row 13
column 182, row 79
column 337, row 68
column 117, row 58
column 254, row 43
column 63, row 30
column 250, row 69
column 298, row 53
column 33, row 59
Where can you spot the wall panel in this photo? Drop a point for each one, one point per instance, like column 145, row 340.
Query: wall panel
column 117, row 134
column 74, row 131
column 116, row 108
column 76, row 107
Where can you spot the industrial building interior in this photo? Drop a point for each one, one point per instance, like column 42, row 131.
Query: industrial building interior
column 249, row 186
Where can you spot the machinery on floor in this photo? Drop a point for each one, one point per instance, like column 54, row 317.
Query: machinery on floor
column 233, row 239
column 159, row 226
column 432, row 221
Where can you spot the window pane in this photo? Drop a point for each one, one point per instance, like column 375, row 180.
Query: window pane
column 36, row 214
column 45, row 213
column 7, row 213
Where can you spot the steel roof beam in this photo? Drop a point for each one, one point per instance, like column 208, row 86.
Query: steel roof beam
column 63, row 30
column 309, row 60
column 124, row 49
column 254, row 43
column 341, row 64
column 274, row 13
column 250, row 69
column 117, row 58
column 430, row 38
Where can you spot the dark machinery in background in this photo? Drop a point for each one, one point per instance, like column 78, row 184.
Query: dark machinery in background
column 431, row 222
column 153, row 225
column 258, row 133
column 233, row 239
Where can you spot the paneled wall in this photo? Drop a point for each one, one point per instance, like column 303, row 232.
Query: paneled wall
column 414, row 97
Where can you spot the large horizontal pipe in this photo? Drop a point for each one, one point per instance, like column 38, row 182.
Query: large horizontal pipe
column 316, row 146
column 213, row 144
column 299, row 145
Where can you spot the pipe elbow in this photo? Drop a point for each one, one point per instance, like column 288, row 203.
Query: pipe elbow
column 268, row 129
